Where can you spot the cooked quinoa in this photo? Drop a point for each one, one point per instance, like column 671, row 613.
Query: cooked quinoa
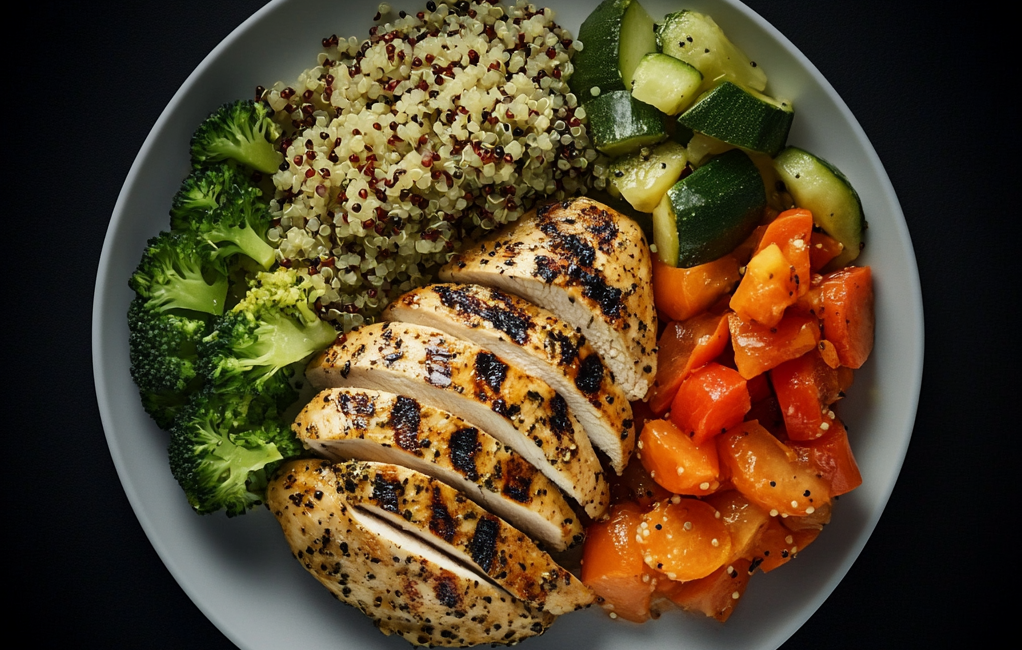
column 441, row 126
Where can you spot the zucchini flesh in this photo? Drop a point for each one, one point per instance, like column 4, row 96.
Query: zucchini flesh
column 668, row 83
column 614, row 37
column 705, row 215
column 696, row 39
column 744, row 118
column 620, row 124
column 818, row 186
column 643, row 178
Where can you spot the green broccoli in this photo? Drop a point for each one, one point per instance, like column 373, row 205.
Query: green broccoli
column 236, row 225
column 272, row 328
column 202, row 191
column 179, row 271
column 224, row 447
column 243, row 131
column 162, row 347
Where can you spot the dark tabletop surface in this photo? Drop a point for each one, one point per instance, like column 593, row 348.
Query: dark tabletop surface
column 925, row 84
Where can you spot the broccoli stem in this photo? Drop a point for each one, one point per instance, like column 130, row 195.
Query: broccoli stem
column 191, row 292
column 245, row 240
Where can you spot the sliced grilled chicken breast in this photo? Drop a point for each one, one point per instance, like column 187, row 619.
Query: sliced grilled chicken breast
column 407, row 587
column 445, row 372
column 536, row 341
column 361, row 424
column 586, row 263
column 442, row 516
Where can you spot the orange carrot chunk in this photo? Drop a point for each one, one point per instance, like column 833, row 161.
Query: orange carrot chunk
column 805, row 389
column 848, row 313
column 763, row 469
column 778, row 545
column 744, row 520
column 684, row 540
column 713, row 399
column 680, row 294
column 613, row 566
column 830, row 456
column 822, row 249
column 759, row 348
column 683, row 347
column 715, row 595
column 769, row 286
column 676, row 462
column 792, row 232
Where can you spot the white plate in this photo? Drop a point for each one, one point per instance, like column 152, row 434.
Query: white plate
column 240, row 571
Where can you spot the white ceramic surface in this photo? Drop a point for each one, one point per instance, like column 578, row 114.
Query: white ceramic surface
column 240, row 572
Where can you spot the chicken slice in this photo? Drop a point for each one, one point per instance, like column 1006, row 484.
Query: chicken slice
column 447, row 373
column 407, row 587
column 351, row 423
column 441, row 516
column 536, row 341
column 586, row 263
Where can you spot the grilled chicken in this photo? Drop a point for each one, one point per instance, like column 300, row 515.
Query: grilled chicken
column 407, row 587
column 443, row 517
column 536, row 341
column 589, row 265
column 445, row 372
column 351, row 423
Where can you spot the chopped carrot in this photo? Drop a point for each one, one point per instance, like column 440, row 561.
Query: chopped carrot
column 743, row 253
column 830, row 456
column 744, row 520
column 822, row 249
column 805, row 389
column 758, row 348
column 792, row 231
column 765, row 470
column 680, row 294
column 715, row 595
column 816, row 521
column 711, row 400
column 778, row 545
column 613, row 566
column 684, row 539
column 676, row 462
column 683, row 347
column 829, row 354
column 848, row 313
column 769, row 286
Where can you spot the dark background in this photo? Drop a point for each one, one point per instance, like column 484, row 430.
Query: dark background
column 929, row 87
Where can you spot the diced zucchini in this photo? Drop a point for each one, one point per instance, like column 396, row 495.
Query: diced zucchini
column 710, row 211
column 668, row 83
column 620, row 124
column 744, row 118
column 615, row 36
column 818, row 186
column 700, row 42
column 702, row 147
column 642, row 180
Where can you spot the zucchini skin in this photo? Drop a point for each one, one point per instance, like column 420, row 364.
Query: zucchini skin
column 597, row 63
column 716, row 208
column 731, row 114
column 620, row 124
column 824, row 190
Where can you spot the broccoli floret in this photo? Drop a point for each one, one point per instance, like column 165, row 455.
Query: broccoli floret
column 236, row 225
column 272, row 328
column 223, row 448
column 162, row 348
column 242, row 131
column 203, row 190
column 179, row 271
